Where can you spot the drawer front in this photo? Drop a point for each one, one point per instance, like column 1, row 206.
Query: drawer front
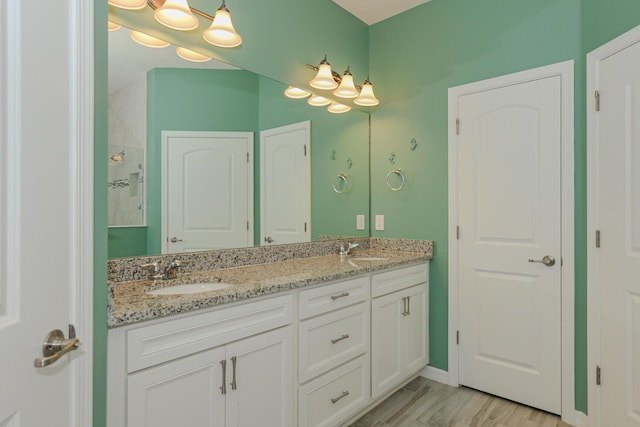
column 161, row 342
column 395, row 280
column 332, row 339
column 334, row 397
column 322, row 299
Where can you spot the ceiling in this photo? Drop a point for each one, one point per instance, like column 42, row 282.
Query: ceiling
column 372, row 11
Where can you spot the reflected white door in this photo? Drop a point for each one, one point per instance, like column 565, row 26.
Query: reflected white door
column 285, row 176
column 207, row 190
column 616, row 182
column 509, row 212
column 46, row 199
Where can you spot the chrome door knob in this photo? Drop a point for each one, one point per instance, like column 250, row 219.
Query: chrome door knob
column 175, row 240
column 547, row 260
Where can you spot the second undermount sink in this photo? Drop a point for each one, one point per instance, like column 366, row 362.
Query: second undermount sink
column 192, row 288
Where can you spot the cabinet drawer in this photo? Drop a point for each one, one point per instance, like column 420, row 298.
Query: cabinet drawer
column 323, row 299
column 332, row 339
column 391, row 281
column 335, row 396
column 161, row 342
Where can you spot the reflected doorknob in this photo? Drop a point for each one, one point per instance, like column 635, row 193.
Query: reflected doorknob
column 55, row 346
column 175, row 240
column 547, row 260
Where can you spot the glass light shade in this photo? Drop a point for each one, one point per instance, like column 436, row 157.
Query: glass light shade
column 112, row 26
column 221, row 32
column 191, row 55
column 337, row 108
column 324, row 77
column 367, row 98
column 176, row 15
column 147, row 40
column 129, row 4
column 296, row 93
column 346, row 89
column 318, row 101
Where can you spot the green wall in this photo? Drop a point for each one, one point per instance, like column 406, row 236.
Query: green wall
column 127, row 241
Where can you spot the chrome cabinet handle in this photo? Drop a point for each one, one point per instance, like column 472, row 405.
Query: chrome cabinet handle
column 343, row 337
column 409, row 306
column 268, row 239
column 404, row 306
column 335, row 399
column 234, row 384
column 547, row 260
column 342, row 295
column 55, row 346
column 223, row 387
column 175, row 240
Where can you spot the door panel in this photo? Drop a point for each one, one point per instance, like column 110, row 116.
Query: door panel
column 509, row 204
column 618, row 209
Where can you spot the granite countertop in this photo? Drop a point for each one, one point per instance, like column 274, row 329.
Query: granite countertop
column 129, row 303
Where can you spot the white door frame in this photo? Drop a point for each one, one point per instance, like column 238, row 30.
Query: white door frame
column 593, row 222
column 166, row 135
column 565, row 71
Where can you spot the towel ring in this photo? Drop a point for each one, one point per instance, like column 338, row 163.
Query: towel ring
column 341, row 183
column 400, row 175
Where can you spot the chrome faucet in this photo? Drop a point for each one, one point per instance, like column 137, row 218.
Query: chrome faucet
column 345, row 252
column 170, row 272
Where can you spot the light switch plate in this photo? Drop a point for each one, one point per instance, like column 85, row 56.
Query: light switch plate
column 379, row 222
column 359, row 222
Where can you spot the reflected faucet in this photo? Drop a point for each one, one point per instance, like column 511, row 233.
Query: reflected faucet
column 345, row 252
column 170, row 272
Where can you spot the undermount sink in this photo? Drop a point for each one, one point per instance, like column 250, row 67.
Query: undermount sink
column 369, row 258
column 192, row 288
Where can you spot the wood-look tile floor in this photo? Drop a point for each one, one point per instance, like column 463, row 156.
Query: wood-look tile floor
column 423, row 402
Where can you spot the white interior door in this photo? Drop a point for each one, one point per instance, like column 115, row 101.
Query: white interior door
column 615, row 182
column 510, row 213
column 285, row 180
column 46, row 217
column 208, row 190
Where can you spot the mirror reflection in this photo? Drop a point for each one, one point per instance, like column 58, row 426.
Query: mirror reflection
column 207, row 156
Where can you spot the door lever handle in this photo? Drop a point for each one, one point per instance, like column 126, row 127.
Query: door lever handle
column 55, row 346
column 547, row 260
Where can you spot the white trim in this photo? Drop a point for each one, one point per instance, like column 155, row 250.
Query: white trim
column 581, row 419
column 81, row 148
column 593, row 221
column 566, row 73
column 435, row 374
column 165, row 135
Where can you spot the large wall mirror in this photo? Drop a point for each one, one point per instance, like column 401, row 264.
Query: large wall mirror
column 157, row 98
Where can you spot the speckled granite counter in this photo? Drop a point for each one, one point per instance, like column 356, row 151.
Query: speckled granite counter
column 129, row 303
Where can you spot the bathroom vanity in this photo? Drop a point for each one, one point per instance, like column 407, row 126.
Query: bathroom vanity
column 304, row 342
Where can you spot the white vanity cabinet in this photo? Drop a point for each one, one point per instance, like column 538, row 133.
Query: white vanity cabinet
column 399, row 324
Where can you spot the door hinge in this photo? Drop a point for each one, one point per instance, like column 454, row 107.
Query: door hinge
column 457, row 337
column 305, row 150
column 247, row 225
column 597, row 238
column 305, row 227
column 597, row 97
column 598, row 375
column 247, row 157
column 457, row 232
column 458, row 126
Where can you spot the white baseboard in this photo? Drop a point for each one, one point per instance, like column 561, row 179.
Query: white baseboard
column 435, row 374
column 581, row 419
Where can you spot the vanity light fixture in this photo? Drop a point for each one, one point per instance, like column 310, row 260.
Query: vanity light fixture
column 176, row 15
column 346, row 89
column 117, row 158
column 318, row 101
column 112, row 26
column 324, row 78
column 191, row 55
column 147, row 40
column 129, row 4
column 296, row 93
column 366, row 97
column 337, row 108
column 221, row 32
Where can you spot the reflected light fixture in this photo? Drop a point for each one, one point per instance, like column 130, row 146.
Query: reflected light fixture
column 346, row 89
column 296, row 93
column 129, row 4
column 366, row 97
column 112, row 26
column 191, row 55
column 324, row 77
column 337, row 108
column 221, row 32
column 118, row 157
column 147, row 40
column 318, row 101
column 176, row 15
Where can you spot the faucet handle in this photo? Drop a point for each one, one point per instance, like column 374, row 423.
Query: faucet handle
column 342, row 250
column 154, row 270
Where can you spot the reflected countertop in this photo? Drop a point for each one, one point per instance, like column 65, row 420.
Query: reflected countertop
column 129, row 302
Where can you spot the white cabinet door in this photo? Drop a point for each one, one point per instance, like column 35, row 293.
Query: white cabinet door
column 399, row 342
column 260, row 386
column 187, row 390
